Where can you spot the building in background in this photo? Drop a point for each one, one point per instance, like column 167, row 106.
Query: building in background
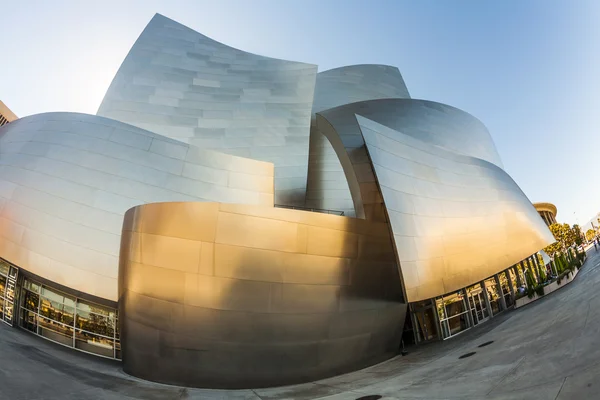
column 547, row 211
column 231, row 220
column 6, row 115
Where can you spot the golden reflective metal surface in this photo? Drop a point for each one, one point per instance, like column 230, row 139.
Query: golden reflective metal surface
column 225, row 295
column 456, row 216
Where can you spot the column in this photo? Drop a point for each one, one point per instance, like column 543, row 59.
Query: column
column 536, row 276
column 487, row 299
column 537, row 267
column 499, row 286
column 516, row 269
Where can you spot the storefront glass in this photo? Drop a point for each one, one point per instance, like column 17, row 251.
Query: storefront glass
column 508, row 279
column 493, row 293
column 69, row 320
column 453, row 313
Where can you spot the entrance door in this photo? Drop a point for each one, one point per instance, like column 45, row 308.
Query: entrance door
column 424, row 321
column 478, row 306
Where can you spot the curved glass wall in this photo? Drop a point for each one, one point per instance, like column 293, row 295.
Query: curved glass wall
column 69, row 320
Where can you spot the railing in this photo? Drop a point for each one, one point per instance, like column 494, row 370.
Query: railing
column 319, row 210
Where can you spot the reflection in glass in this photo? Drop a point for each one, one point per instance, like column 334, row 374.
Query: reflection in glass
column 95, row 323
column 506, row 279
column 56, row 315
column 452, row 310
column 4, row 267
column 55, row 331
column 29, row 320
column 477, row 303
column 493, row 294
column 94, row 343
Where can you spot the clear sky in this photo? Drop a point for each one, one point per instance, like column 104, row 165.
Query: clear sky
column 529, row 69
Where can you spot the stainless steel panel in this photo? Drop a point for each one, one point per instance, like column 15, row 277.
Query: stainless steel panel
column 209, row 91
column 284, row 296
column 66, row 180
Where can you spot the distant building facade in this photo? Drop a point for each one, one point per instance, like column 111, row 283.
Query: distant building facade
column 547, row 211
column 6, row 115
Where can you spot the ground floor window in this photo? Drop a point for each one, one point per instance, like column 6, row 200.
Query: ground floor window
column 69, row 320
column 453, row 313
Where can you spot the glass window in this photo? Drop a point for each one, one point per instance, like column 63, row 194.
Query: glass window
column 55, row 331
column 56, row 311
column 29, row 320
column 58, row 297
column 31, row 286
column 94, row 344
column 506, row 280
column 2, row 285
column 95, row 308
column 96, row 323
column 65, row 319
column 493, row 294
column 4, row 267
column 30, row 300
column 452, row 310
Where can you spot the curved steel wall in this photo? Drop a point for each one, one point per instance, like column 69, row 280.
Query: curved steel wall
column 327, row 187
column 242, row 296
column 456, row 220
column 431, row 122
column 179, row 83
column 66, row 180
column 354, row 83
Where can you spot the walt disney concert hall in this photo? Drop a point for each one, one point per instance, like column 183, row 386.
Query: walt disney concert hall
column 230, row 220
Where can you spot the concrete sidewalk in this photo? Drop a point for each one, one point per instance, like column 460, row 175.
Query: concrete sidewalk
column 547, row 350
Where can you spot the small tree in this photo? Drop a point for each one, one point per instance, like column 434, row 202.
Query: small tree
column 578, row 236
column 590, row 235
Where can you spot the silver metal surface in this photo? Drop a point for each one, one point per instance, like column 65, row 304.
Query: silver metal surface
column 327, row 187
column 455, row 219
column 231, row 296
column 181, row 84
column 66, row 180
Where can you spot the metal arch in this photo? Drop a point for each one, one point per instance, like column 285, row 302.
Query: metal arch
column 327, row 186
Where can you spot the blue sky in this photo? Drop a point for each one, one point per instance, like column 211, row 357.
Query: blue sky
column 527, row 68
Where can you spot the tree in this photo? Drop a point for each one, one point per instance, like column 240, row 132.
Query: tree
column 578, row 236
column 561, row 233
column 590, row 235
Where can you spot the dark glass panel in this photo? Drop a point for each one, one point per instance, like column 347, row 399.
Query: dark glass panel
column 2, row 285
column 96, row 323
column 29, row 320
column 30, row 300
column 55, row 331
column 94, row 343
column 4, row 267
column 58, row 297
column 90, row 307
column 56, row 311
column 31, row 286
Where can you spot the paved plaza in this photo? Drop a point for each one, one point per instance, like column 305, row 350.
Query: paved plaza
column 549, row 349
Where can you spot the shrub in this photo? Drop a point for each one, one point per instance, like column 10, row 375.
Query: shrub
column 539, row 290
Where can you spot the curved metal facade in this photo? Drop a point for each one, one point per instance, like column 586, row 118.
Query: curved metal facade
column 327, row 187
column 456, row 219
column 237, row 296
column 246, row 294
column 181, row 84
column 66, row 180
